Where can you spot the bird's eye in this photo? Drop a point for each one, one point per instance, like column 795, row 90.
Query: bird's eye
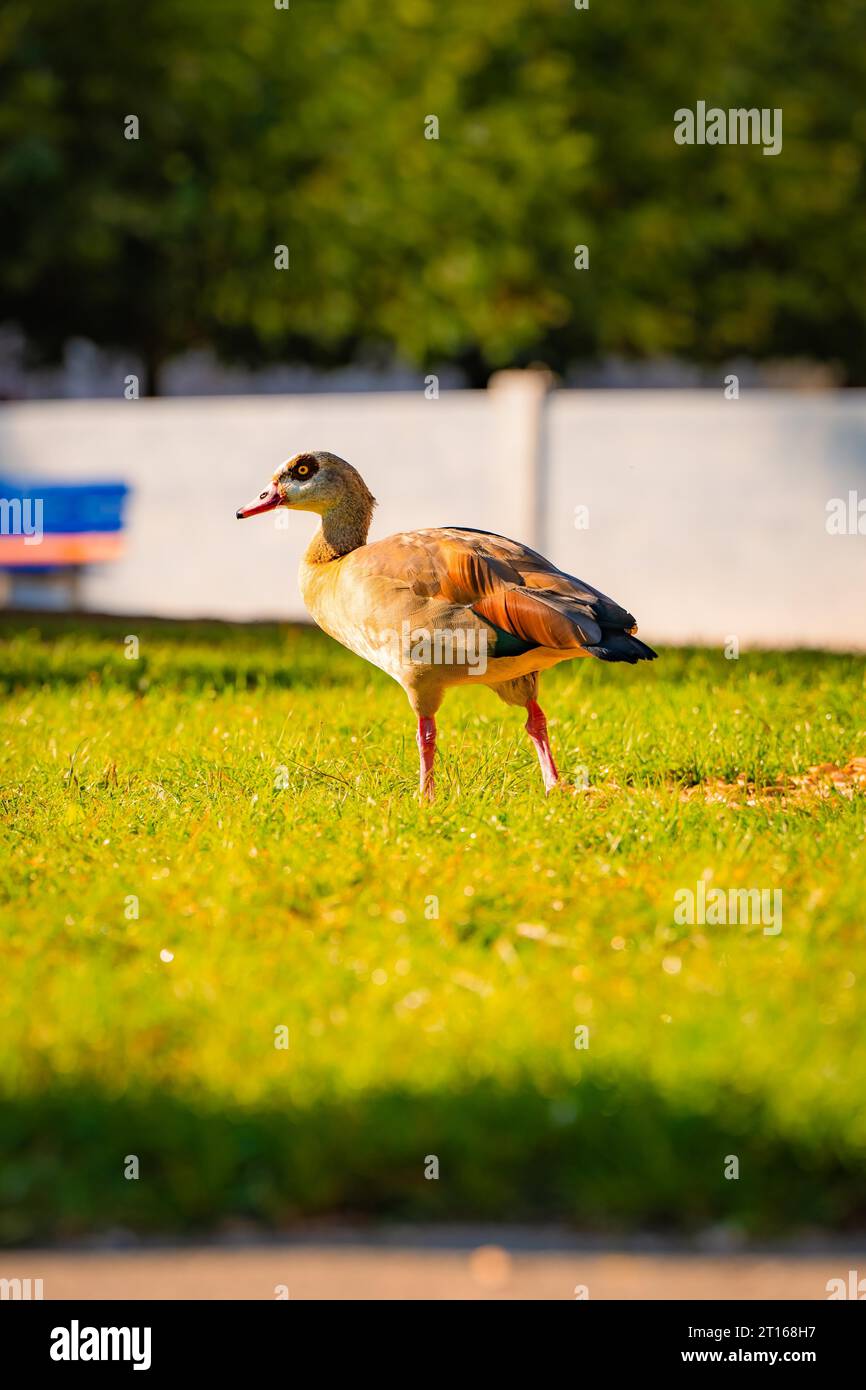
column 302, row 470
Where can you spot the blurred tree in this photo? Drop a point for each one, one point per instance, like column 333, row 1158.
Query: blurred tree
column 311, row 128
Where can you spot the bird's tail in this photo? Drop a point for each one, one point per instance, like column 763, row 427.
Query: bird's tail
column 622, row 646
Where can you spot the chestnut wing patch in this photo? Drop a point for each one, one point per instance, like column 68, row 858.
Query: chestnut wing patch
column 495, row 587
column 536, row 617
column 524, row 598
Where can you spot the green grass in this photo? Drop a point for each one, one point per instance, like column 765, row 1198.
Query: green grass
column 309, row 905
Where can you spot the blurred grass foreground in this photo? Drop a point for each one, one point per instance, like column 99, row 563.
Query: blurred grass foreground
column 236, row 949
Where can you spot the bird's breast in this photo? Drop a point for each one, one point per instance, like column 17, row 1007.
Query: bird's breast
column 340, row 607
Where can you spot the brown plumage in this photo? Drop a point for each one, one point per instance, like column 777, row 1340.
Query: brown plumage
column 441, row 607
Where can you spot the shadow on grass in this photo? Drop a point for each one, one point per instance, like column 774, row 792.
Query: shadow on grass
column 69, row 650
column 605, row 1158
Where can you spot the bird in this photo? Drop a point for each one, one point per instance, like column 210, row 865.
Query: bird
column 443, row 606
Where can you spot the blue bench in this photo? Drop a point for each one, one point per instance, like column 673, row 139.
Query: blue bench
column 50, row 532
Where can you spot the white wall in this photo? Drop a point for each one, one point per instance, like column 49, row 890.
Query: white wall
column 707, row 516
column 192, row 463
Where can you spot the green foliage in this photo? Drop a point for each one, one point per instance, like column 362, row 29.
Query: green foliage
column 305, row 127
column 254, row 789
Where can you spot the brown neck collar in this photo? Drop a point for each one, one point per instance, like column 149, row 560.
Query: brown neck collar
column 344, row 528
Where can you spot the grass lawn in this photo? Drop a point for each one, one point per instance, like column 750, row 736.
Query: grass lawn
column 253, row 790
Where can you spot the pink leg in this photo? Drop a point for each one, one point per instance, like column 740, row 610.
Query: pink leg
column 536, row 727
column 426, row 738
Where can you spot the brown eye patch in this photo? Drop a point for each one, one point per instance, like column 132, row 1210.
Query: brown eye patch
column 303, row 468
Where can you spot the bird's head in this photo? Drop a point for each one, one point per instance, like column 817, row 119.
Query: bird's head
column 312, row 482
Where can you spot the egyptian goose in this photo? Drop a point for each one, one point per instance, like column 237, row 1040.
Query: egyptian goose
column 441, row 607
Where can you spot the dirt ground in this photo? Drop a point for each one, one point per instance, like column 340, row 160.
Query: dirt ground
column 366, row 1269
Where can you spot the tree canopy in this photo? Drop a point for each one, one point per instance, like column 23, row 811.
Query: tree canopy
column 311, row 127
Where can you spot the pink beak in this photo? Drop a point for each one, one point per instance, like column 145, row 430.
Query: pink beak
column 265, row 502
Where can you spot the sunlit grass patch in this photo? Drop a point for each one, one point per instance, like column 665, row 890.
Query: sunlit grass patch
column 222, row 838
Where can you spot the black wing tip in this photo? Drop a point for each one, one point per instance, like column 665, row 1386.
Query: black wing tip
column 621, row 646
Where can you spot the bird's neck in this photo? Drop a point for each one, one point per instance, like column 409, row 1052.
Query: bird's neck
column 343, row 528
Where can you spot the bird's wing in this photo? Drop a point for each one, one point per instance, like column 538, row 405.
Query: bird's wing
column 503, row 582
